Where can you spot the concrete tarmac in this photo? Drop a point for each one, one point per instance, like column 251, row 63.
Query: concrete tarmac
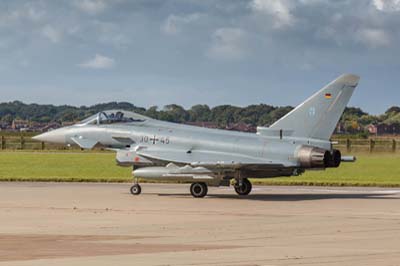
column 102, row 224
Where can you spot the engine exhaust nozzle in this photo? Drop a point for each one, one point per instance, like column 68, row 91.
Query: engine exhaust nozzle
column 313, row 157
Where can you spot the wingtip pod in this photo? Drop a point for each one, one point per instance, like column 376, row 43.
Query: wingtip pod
column 348, row 79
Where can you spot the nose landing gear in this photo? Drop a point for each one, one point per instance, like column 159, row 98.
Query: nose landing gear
column 136, row 189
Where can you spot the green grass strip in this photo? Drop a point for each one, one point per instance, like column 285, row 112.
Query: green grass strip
column 369, row 170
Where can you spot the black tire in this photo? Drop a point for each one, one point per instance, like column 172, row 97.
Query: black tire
column 199, row 190
column 245, row 189
column 136, row 189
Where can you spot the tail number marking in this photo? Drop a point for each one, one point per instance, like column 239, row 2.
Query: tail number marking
column 154, row 139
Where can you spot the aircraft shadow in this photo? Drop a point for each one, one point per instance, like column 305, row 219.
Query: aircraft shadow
column 290, row 197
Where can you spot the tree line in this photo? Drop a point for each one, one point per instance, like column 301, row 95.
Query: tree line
column 259, row 114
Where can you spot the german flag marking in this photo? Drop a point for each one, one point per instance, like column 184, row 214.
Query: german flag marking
column 328, row 95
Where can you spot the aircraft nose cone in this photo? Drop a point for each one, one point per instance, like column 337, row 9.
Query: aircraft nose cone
column 54, row 136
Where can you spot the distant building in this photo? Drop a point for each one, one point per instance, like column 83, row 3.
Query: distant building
column 203, row 124
column 241, row 126
column 30, row 126
column 372, row 129
column 340, row 128
column 18, row 124
column 383, row 129
column 50, row 126
column 66, row 124
column 4, row 125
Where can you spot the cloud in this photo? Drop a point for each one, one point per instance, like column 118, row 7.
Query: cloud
column 29, row 11
column 52, row 33
column 387, row 5
column 91, row 6
column 99, row 62
column 279, row 10
column 110, row 33
column 312, row 2
column 32, row 11
column 174, row 24
column 214, row 44
column 228, row 43
column 373, row 37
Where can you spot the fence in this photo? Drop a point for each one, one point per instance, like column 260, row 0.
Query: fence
column 368, row 145
column 15, row 142
column 27, row 143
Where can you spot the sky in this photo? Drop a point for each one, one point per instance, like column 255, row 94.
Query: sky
column 158, row 52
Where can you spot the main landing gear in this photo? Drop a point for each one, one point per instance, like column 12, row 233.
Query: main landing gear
column 136, row 189
column 243, row 187
column 199, row 190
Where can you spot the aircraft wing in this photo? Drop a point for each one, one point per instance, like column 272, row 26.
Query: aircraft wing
column 209, row 159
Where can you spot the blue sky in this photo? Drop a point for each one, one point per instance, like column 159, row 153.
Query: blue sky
column 241, row 52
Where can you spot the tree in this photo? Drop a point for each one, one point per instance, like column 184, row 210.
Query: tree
column 367, row 119
column 199, row 113
column 224, row 115
column 257, row 114
column 176, row 113
column 393, row 109
column 8, row 118
column 152, row 112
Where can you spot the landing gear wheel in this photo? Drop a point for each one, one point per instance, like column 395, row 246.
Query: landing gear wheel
column 244, row 189
column 136, row 189
column 199, row 190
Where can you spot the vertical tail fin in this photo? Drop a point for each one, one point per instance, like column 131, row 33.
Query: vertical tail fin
column 318, row 116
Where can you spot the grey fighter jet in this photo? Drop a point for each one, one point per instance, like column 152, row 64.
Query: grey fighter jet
column 165, row 151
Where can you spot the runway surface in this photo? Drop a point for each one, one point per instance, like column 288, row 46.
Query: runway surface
column 102, row 224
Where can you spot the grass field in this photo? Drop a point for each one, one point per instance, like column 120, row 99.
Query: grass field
column 369, row 170
column 62, row 166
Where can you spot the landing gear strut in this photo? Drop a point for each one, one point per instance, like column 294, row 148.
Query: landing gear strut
column 243, row 188
column 199, row 190
column 136, row 189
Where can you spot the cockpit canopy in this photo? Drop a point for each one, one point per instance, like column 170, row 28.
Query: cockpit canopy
column 113, row 117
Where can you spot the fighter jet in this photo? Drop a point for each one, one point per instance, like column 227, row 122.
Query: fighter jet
column 164, row 151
